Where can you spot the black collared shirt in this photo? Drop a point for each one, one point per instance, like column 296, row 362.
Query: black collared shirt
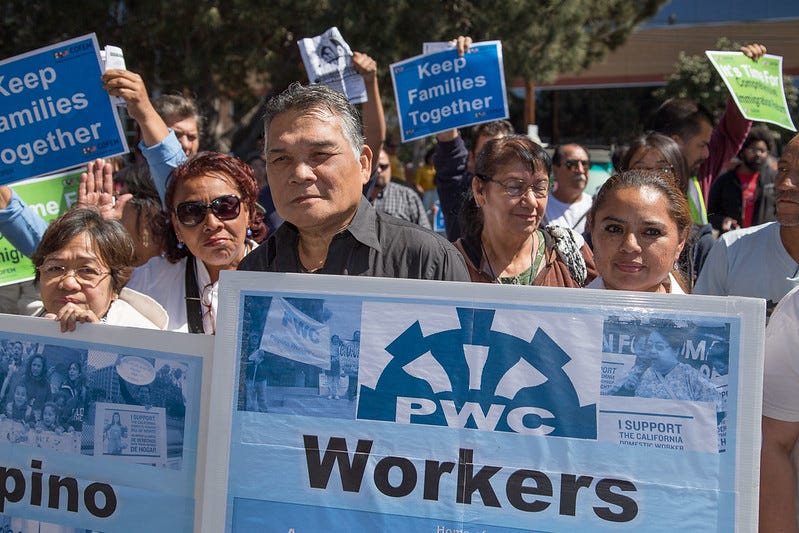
column 374, row 244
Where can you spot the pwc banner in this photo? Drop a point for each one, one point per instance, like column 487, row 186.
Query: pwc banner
column 483, row 407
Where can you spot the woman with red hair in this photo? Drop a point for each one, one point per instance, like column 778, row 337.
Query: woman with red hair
column 211, row 204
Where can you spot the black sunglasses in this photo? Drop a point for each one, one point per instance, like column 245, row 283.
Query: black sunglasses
column 573, row 164
column 224, row 208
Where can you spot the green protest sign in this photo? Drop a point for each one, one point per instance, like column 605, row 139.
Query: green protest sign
column 49, row 196
column 756, row 87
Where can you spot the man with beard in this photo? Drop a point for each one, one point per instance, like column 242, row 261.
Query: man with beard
column 706, row 149
column 744, row 196
column 568, row 204
column 761, row 261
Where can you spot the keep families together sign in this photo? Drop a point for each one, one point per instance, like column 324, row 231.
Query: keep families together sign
column 440, row 91
column 51, row 118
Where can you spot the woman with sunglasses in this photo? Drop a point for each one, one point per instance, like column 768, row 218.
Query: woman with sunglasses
column 82, row 264
column 502, row 241
column 211, row 202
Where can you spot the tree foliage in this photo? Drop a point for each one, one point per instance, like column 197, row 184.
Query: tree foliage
column 695, row 77
column 242, row 50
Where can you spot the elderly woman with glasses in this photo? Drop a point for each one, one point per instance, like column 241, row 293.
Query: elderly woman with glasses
column 82, row 265
column 211, row 203
column 502, row 241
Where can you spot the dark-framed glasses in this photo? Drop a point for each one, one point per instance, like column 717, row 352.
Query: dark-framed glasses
column 224, row 208
column 516, row 188
column 87, row 276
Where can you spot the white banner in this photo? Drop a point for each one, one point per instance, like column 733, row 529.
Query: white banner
column 300, row 337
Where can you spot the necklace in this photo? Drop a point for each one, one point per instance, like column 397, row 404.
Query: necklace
column 523, row 278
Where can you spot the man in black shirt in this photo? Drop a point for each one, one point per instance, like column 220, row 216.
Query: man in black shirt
column 317, row 164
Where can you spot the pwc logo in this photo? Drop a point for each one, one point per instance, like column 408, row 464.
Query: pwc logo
column 478, row 378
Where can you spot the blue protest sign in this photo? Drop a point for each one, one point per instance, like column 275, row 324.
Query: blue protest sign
column 491, row 408
column 55, row 112
column 441, row 91
column 438, row 219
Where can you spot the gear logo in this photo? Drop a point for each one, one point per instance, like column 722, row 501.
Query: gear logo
column 478, row 378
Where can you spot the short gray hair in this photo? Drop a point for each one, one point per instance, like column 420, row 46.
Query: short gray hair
column 174, row 108
column 303, row 98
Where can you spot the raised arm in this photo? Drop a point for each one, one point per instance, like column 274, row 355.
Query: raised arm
column 729, row 135
column 19, row 224
column 159, row 145
column 130, row 86
column 374, row 121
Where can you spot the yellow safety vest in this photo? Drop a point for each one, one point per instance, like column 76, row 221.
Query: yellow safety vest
column 696, row 202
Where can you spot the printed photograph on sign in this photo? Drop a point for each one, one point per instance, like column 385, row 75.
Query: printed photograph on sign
column 101, row 427
column 93, row 402
column 300, row 356
column 663, row 359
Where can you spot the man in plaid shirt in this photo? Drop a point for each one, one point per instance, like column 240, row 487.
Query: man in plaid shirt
column 396, row 199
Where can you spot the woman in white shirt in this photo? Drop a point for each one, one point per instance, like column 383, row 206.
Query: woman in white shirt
column 639, row 223
column 211, row 203
column 82, row 265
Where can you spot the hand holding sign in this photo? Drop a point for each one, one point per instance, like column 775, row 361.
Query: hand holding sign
column 754, row 79
column 130, row 86
column 365, row 66
column 754, row 51
column 447, row 89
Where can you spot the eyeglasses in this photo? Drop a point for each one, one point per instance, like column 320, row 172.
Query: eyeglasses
column 224, row 208
column 516, row 188
column 383, row 166
column 86, row 276
column 574, row 164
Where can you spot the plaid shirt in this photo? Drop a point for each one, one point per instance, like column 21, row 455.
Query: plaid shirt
column 402, row 202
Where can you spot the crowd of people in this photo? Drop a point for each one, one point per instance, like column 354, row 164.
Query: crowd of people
column 694, row 207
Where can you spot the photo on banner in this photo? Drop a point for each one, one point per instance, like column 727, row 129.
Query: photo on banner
column 55, row 113
column 402, row 404
column 108, row 417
